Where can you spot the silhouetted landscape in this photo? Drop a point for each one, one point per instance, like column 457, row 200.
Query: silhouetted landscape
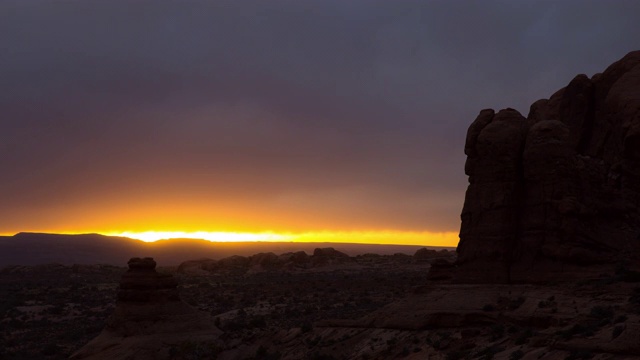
column 50, row 311
column 38, row 248
column 548, row 265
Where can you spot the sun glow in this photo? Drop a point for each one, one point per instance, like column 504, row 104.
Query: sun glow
column 217, row 236
column 361, row 237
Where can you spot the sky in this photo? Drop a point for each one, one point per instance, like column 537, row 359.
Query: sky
column 281, row 116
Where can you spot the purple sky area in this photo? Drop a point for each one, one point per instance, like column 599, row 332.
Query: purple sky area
column 346, row 114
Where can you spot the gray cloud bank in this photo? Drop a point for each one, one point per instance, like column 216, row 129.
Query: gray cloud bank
column 349, row 109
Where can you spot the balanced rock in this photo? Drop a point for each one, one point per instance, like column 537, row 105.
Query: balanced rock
column 557, row 192
column 143, row 284
column 149, row 318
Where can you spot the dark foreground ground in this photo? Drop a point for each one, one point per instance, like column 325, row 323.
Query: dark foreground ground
column 373, row 308
column 50, row 311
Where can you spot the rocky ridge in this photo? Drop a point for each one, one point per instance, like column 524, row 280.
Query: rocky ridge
column 555, row 194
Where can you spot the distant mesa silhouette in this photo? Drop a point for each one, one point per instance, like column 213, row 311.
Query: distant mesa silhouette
column 555, row 195
column 149, row 318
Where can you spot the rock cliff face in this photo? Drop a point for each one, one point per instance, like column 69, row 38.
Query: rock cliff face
column 149, row 319
column 559, row 189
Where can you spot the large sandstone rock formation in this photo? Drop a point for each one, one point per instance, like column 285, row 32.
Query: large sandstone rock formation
column 559, row 189
column 149, row 319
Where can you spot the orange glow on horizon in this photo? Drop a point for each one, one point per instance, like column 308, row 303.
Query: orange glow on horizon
column 213, row 236
column 382, row 237
column 449, row 239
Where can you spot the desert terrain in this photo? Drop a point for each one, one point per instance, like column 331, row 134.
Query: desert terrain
column 50, row 311
column 339, row 307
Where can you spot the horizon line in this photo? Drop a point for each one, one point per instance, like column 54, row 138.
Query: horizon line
column 372, row 237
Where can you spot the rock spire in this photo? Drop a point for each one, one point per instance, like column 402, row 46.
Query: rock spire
column 149, row 318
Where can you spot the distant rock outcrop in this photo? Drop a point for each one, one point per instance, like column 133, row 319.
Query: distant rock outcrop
column 298, row 258
column 149, row 319
column 329, row 252
column 431, row 255
column 559, row 189
column 267, row 262
column 264, row 260
column 328, row 256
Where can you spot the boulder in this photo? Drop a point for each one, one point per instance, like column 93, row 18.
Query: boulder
column 328, row 256
column 265, row 260
column 329, row 252
column 295, row 260
column 298, row 257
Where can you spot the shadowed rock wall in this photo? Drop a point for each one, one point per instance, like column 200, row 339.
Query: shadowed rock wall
column 557, row 192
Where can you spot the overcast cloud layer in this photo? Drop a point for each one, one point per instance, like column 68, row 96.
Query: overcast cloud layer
column 304, row 115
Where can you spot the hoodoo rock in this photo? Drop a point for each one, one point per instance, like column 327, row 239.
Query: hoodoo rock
column 557, row 192
column 149, row 318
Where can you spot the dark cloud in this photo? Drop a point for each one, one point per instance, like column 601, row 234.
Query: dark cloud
column 350, row 113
